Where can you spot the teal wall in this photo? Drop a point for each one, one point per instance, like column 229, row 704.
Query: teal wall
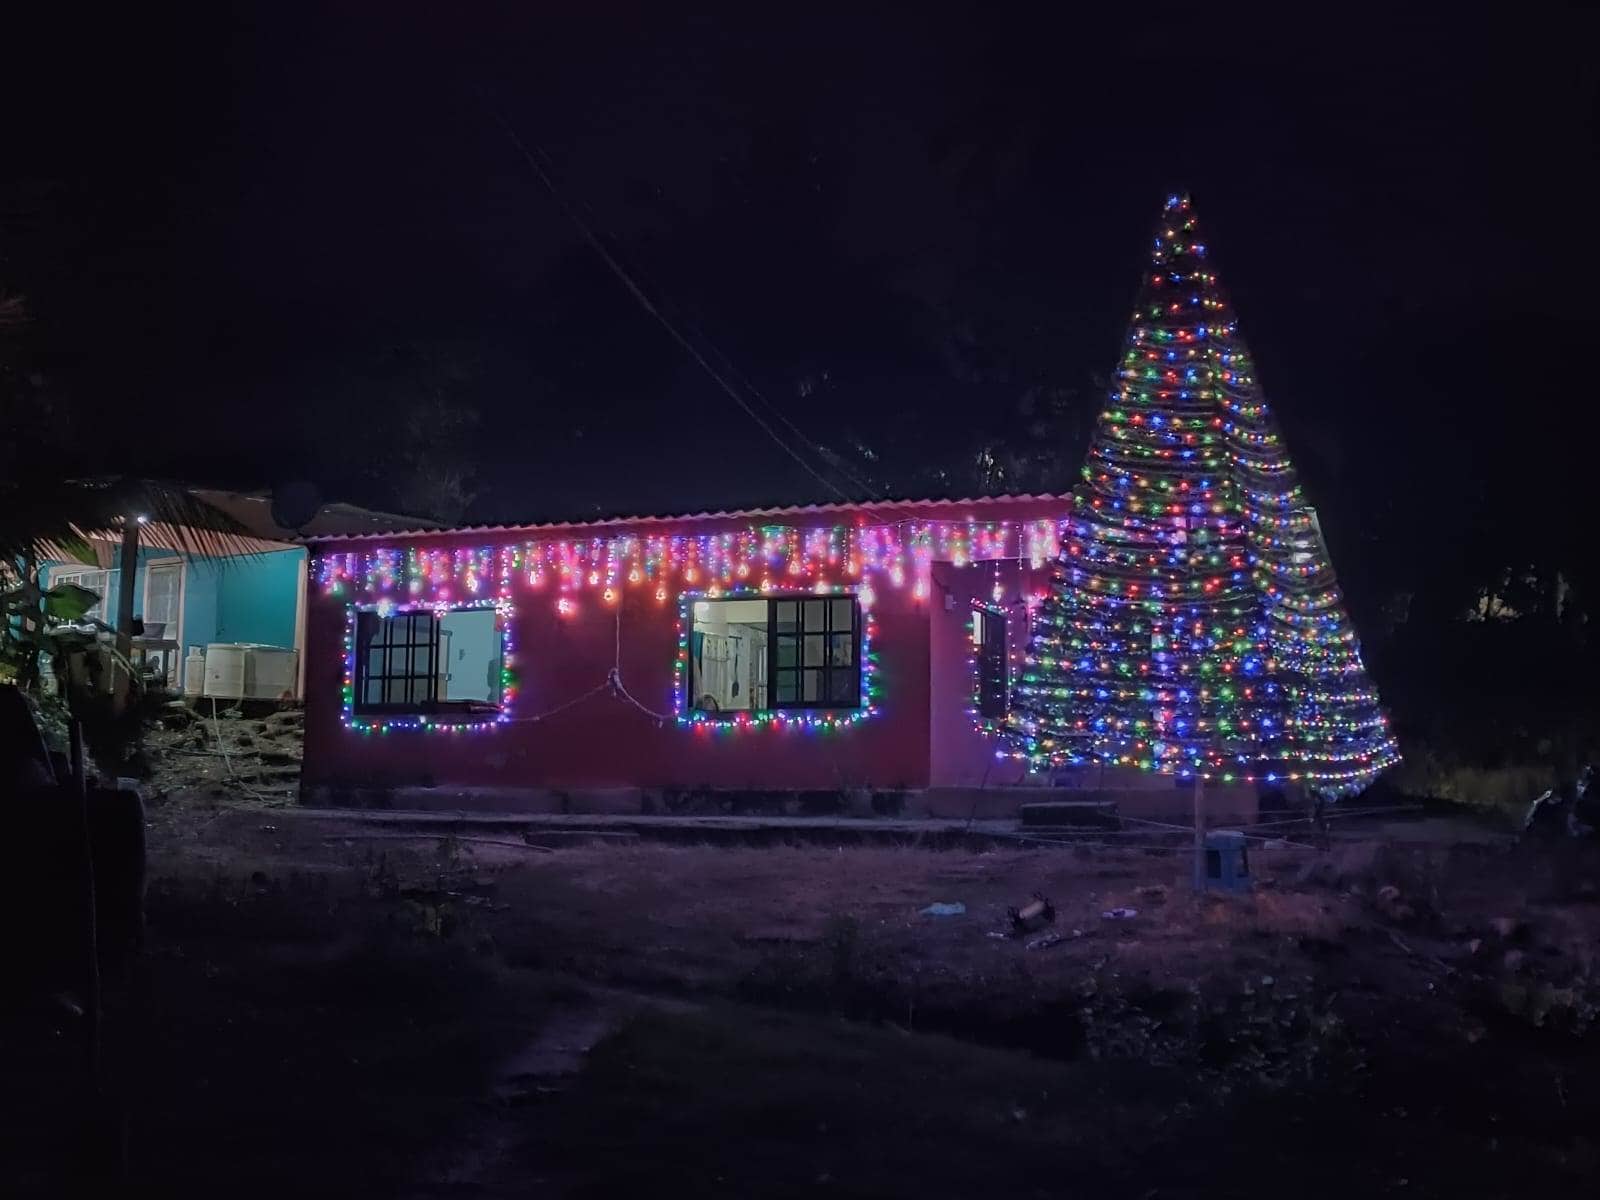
column 256, row 598
column 247, row 599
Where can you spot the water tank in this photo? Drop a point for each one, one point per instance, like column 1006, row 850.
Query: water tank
column 270, row 673
column 194, row 672
column 245, row 671
column 225, row 669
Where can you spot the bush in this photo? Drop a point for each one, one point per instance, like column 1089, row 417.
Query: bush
column 1504, row 790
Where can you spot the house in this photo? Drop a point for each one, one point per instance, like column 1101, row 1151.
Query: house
column 251, row 589
column 636, row 663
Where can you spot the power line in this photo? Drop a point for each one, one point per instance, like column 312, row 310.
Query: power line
column 649, row 306
column 663, row 302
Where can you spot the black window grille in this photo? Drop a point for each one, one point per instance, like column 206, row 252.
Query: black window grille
column 397, row 662
column 400, row 667
column 994, row 681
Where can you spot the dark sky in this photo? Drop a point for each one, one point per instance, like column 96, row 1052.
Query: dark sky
column 252, row 238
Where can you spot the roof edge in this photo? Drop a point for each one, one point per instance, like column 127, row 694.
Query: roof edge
column 793, row 510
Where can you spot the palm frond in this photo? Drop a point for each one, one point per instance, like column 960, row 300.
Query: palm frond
column 58, row 519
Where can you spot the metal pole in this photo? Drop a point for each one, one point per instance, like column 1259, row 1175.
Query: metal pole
column 1199, row 834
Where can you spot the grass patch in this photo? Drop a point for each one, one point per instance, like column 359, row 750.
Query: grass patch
column 307, row 1027
column 743, row 1103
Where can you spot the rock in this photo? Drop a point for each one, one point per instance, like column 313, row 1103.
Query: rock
column 1317, row 873
column 1474, row 945
column 285, row 719
column 1506, row 927
column 276, row 757
column 176, row 715
column 1388, row 902
column 1514, row 959
column 1155, row 893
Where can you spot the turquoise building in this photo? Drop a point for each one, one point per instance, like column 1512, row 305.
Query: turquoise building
column 255, row 594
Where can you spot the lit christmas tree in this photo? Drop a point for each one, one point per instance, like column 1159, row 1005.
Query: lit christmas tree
column 1194, row 625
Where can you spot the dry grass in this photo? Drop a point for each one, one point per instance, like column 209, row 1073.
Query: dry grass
column 330, row 1010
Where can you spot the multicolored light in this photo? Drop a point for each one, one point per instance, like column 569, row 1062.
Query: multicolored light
column 1194, row 625
column 767, row 559
column 426, row 722
column 819, row 719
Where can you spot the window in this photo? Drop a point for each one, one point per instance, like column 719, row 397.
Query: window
column 427, row 662
column 99, row 582
column 757, row 655
column 989, row 644
column 163, row 592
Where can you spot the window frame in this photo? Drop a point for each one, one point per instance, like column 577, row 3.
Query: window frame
column 861, row 702
column 174, row 632
column 76, row 575
column 410, row 711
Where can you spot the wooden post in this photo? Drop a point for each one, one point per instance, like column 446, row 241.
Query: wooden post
column 127, row 573
column 33, row 624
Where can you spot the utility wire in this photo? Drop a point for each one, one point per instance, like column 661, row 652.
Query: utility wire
column 638, row 294
column 816, row 447
column 663, row 301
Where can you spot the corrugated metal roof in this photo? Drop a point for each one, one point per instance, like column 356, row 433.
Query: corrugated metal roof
column 334, row 519
column 794, row 510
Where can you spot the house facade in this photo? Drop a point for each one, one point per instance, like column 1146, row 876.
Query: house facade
column 827, row 648
column 184, row 600
column 252, row 590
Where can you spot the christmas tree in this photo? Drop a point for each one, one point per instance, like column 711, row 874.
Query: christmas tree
column 1194, row 625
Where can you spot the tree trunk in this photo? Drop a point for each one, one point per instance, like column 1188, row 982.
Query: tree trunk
column 128, row 568
column 32, row 624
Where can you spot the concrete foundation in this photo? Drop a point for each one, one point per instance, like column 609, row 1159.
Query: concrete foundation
column 1157, row 800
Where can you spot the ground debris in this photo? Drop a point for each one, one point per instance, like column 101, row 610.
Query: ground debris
column 235, row 755
column 1033, row 915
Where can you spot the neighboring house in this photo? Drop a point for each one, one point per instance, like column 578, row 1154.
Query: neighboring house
column 627, row 662
column 252, row 591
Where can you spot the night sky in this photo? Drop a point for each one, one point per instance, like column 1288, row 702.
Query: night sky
column 259, row 244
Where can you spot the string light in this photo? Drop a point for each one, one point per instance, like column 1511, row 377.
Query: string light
column 898, row 554
column 428, row 722
column 820, row 720
column 1194, row 626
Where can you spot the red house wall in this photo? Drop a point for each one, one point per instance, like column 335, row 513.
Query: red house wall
column 921, row 736
column 605, row 741
column 960, row 755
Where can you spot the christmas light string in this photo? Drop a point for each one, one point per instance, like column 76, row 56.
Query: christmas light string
column 817, row 719
column 1193, row 625
column 771, row 559
column 447, row 721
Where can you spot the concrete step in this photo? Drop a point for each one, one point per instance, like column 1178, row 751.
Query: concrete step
column 1069, row 814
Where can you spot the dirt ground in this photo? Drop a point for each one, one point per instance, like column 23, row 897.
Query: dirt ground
column 333, row 1008
column 208, row 751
